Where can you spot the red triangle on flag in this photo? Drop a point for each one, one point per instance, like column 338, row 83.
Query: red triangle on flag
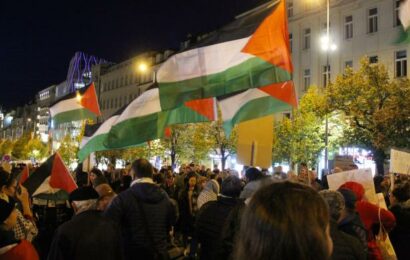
column 89, row 100
column 167, row 132
column 60, row 176
column 270, row 41
column 284, row 91
column 24, row 174
column 205, row 107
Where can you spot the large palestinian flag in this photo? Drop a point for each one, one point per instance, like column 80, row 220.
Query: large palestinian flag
column 143, row 119
column 50, row 177
column 251, row 52
column 95, row 135
column 257, row 102
column 76, row 106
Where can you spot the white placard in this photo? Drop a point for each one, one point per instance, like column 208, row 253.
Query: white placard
column 399, row 162
column 362, row 176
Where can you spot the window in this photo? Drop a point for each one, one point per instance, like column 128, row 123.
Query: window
column 373, row 59
column 122, row 81
column 286, row 115
column 372, row 20
column 326, row 75
column 117, row 82
column 348, row 27
column 396, row 13
column 290, row 41
column 112, row 103
column 349, row 64
column 401, row 63
column 102, row 104
column 290, row 9
column 120, row 102
column 306, row 39
column 306, row 79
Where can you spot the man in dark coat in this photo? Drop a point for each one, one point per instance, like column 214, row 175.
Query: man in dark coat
column 88, row 235
column 144, row 213
column 215, row 218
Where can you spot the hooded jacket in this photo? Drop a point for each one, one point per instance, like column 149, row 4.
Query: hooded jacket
column 159, row 214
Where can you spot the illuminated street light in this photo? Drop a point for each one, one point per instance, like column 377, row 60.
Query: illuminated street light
column 142, row 67
column 78, row 97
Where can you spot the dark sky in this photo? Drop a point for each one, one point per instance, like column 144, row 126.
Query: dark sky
column 39, row 37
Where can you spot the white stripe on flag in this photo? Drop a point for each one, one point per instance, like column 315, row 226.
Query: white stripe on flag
column 404, row 14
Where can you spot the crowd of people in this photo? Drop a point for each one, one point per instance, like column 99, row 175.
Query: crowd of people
column 143, row 213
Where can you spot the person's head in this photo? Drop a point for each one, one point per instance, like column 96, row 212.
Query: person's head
column 8, row 183
column 82, row 199
column 191, row 180
column 356, row 187
column 285, row 220
column 141, row 168
column 253, row 174
column 400, row 194
column 104, row 190
column 158, row 178
column 350, row 200
column 231, row 187
column 8, row 215
column 94, row 174
column 335, row 201
column 212, row 186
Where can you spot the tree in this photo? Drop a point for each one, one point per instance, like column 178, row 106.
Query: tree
column 6, row 147
column 68, row 149
column 20, row 147
column 36, row 149
column 375, row 107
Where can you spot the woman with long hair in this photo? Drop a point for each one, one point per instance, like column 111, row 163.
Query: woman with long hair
column 285, row 220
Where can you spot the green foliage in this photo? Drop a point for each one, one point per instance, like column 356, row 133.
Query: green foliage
column 20, row 149
column 6, row 147
column 68, row 149
column 36, row 149
column 375, row 107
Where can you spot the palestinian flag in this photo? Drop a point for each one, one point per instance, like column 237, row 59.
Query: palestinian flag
column 76, row 106
column 257, row 102
column 50, row 177
column 94, row 138
column 144, row 120
column 251, row 52
column 404, row 16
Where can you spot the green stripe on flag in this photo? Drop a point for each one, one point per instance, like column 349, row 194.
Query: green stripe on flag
column 95, row 144
column 252, row 73
column 73, row 115
column 254, row 109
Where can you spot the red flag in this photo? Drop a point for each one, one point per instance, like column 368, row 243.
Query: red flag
column 24, row 174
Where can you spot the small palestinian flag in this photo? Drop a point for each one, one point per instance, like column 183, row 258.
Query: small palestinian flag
column 251, row 52
column 256, row 103
column 94, row 138
column 50, row 177
column 76, row 106
column 143, row 119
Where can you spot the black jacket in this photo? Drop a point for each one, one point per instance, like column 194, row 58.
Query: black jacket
column 88, row 235
column 345, row 246
column 160, row 216
column 213, row 226
column 400, row 235
column 353, row 226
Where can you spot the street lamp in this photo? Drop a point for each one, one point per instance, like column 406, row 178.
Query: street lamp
column 328, row 46
column 142, row 67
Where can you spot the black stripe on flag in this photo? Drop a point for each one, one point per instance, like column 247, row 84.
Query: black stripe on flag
column 39, row 175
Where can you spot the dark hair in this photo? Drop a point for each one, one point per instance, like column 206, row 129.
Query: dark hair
column 158, row 178
column 402, row 192
column 6, row 179
column 96, row 172
column 142, row 168
column 253, row 174
column 284, row 220
column 231, row 186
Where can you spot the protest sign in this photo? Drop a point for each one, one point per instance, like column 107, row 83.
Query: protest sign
column 399, row 162
column 362, row 176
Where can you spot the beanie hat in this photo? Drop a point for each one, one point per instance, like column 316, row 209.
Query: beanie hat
column 335, row 201
column 5, row 210
column 83, row 193
column 356, row 187
column 350, row 198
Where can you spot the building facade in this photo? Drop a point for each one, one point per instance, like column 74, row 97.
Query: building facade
column 44, row 100
column 358, row 28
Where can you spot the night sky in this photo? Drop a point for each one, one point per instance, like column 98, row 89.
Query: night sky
column 39, row 37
